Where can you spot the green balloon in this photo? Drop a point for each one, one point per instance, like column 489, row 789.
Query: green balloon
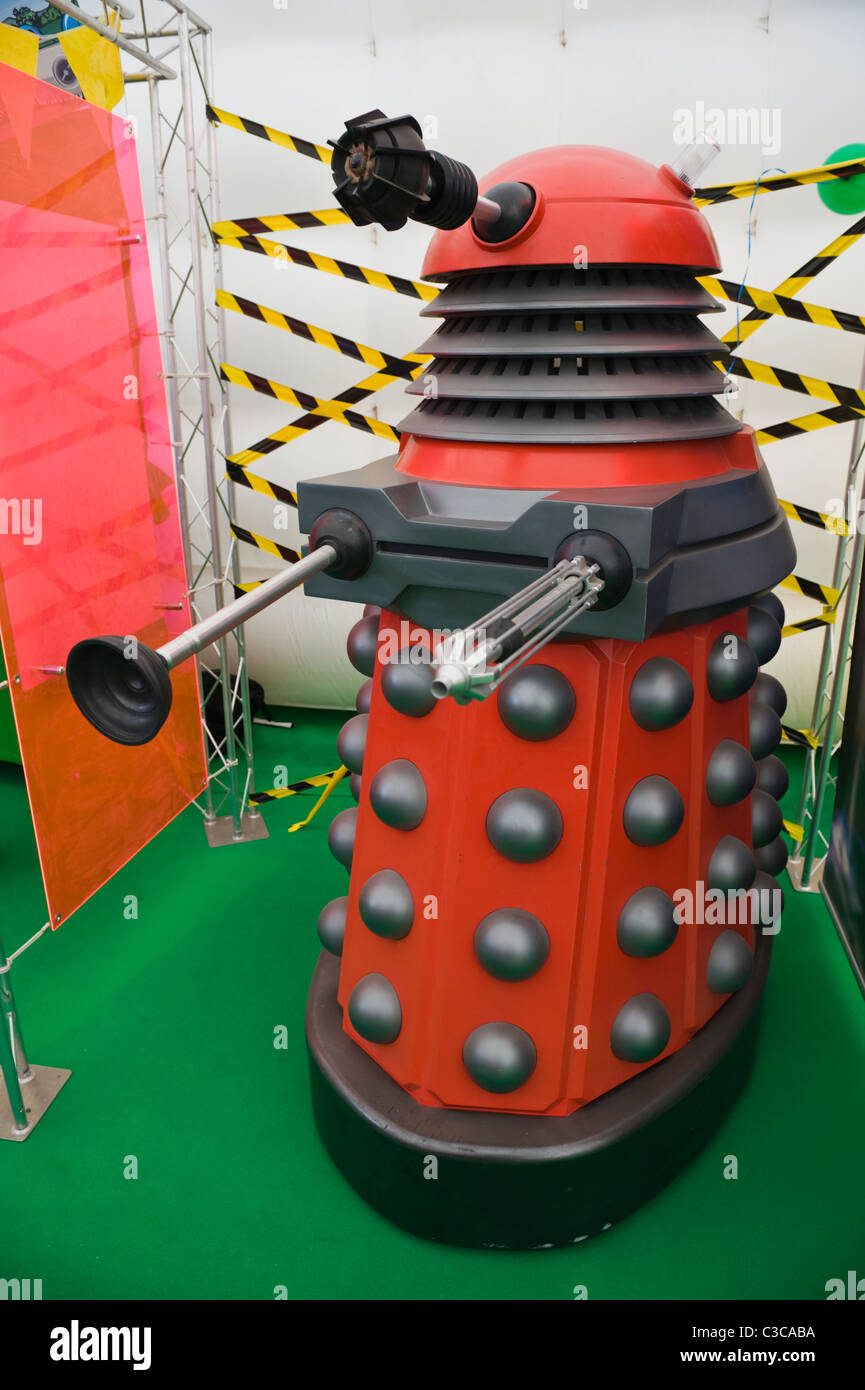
column 844, row 195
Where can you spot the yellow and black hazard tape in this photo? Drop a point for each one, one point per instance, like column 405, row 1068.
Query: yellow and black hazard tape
column 266, row 132
column 771, row 302
column 281, row 222
column 725, row 192
column 246, row 588
column 810, row 517
column 794, row 381
column 813, row 266
column 328, row 780
column 311, row 260
column 809, row 624
column 334, row 410
column 400, row 368
column 804, row 424
column 312, row 420
column 796, row 282
column 305, row 784
column 809, row 588
column 262, row 485
column 283, row 552
column 805, row 738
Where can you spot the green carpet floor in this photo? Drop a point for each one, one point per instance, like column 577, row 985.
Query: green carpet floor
column 168, row 1022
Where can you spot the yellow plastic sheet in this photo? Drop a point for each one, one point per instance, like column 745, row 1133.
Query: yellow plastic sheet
column 19, row 49
column 96, row 63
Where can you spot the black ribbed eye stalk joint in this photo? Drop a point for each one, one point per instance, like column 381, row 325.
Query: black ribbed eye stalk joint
column 384, row 173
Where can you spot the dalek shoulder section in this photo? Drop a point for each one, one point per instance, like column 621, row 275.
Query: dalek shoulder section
column 670, row 553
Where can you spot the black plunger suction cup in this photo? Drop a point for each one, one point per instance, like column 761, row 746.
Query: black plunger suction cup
column 121, row 686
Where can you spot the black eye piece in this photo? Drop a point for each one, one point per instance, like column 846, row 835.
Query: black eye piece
column 384, row 173
column 516, row 202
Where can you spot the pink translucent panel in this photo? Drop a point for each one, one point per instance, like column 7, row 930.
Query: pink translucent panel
column 90, row 540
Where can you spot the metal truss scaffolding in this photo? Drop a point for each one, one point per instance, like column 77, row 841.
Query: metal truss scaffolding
column 170, row 48
column 827, row 721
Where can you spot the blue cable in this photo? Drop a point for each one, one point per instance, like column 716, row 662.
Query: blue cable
column 728, row 380
column 744, row 280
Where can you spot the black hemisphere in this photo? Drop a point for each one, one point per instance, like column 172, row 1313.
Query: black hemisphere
column 611, row 557
column 517, row 203
column 350, row 538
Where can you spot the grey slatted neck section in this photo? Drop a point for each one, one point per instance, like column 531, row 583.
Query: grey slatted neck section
column 539, row 334
column 555, row 355
column 663, row 289
column 563, row 378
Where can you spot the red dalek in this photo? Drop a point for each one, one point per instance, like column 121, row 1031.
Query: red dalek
column 539, row 994
column 526, row 981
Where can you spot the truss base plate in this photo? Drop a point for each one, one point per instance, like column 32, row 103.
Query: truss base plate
column 220, row 831
column 794, row 869
column 38, row 1093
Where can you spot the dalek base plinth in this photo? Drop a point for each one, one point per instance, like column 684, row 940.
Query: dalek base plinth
column 522, row 1182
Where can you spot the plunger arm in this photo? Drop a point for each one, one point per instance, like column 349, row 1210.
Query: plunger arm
column 196, row 638
column 122, row 686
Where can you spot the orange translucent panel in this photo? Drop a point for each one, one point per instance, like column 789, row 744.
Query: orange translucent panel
column 90, row 539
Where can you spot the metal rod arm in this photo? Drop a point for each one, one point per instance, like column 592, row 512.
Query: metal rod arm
column 486, row 210
column 246, row 606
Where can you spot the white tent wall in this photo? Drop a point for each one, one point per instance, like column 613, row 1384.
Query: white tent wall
column 493, row 79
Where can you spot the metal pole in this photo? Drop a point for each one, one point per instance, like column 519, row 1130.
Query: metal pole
column 170, row 360
column 240, row 635
column 170, row 357
column 808, row 850
column 13, row 1060
column 206, row 415
column 834, row 705
column 210, row 629
column 837, row 577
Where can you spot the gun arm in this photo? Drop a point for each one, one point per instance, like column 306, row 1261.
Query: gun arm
column 471, row 663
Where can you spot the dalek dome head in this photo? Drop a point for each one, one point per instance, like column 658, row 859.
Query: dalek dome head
column 579, row 204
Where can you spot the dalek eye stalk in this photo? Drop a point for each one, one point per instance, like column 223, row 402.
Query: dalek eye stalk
column 539, row 993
